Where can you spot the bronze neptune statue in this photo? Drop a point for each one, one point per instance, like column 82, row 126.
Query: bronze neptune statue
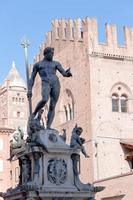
column 47, row 68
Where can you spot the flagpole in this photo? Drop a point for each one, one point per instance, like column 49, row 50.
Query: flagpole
column 25, row 44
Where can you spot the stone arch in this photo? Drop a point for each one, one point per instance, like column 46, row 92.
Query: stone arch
column 67, row 106
column 122, row 102
column 121, row 84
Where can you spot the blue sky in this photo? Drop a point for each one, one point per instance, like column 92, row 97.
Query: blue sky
column 33, row 19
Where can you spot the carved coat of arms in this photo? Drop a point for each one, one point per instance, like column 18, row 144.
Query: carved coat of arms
column 57, row 171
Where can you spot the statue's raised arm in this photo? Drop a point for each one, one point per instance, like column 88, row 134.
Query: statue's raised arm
column 66, row 73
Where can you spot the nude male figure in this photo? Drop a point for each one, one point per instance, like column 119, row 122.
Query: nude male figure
column 47, row 68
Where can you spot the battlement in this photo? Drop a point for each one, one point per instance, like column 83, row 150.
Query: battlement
column 65, row 32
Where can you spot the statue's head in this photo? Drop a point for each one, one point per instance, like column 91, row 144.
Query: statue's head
column 79, row 130
column 20, row 131
column 16, row 136
column 48, row 53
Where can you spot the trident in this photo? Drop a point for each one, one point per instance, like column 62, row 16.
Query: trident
column 25, row 44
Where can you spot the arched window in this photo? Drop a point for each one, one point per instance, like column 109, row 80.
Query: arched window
column 120, row 94
column 67, row 106
column 66, row 113
column 123, row 102
column 115, row 103
column 70, row 103
column 70, row 111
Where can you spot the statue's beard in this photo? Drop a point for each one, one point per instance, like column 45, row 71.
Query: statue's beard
column 49, row 57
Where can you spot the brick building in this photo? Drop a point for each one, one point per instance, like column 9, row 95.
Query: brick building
column 99, row 97
column 13, row 106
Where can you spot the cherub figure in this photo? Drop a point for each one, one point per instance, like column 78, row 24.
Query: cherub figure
column 18, row 139
column 77, row 141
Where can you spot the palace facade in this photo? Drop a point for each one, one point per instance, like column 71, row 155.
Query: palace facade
column 99, row 97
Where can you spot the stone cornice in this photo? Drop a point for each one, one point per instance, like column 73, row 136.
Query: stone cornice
column 114, row 177
column 6, row 131
column 111, row 56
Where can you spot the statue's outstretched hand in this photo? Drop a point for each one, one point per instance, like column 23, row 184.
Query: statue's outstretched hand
column 29, row 94
column 68, row 72
column 82, row 140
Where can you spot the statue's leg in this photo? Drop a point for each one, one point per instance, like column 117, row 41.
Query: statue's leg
column 54, row 95
column 84, row 152
column 45, row 96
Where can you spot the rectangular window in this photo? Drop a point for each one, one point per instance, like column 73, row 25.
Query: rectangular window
column 18, row 114
column 123, row 105
column 115, row 106
column 10, row 174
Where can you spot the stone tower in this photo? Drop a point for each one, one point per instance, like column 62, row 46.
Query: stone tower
column 13, row 100
column 13, row 106
column 99, row 97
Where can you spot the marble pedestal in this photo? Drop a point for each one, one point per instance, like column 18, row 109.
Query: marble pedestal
column 47, row 172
